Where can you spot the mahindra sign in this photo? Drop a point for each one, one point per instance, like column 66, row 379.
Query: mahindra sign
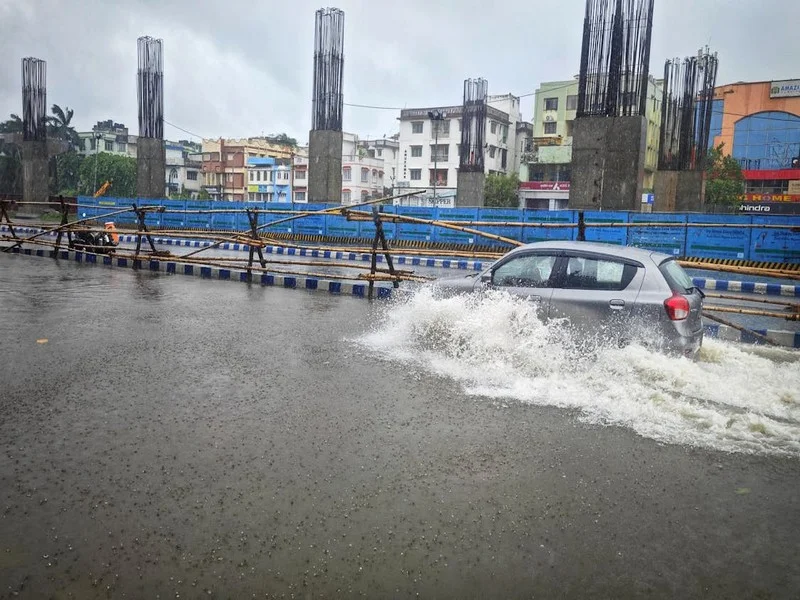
column 545, row 186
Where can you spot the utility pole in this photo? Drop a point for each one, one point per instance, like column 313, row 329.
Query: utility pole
column 436, row 117
column 97, row 136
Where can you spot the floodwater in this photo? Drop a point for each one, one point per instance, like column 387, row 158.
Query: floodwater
column 173, row 437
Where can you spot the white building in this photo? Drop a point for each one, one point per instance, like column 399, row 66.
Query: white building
column 107, row 136
column 362, row 175
column 429, row 154
column 184, row 169
column 387, row 149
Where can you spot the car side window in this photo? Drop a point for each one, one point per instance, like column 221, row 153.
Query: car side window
column 532, row 271
column 583, row 273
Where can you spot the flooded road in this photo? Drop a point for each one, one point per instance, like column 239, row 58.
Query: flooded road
column 174, row 437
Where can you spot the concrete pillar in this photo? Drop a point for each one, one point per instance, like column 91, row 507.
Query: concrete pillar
column 691, row 191
column 608, row 155
column 325, row 167
column 35, row 176
column 665, row 190
column 151, row 176
column 470, row 191
column 679, row 191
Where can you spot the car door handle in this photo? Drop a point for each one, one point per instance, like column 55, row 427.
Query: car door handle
column 616, row 304
column 535, row 298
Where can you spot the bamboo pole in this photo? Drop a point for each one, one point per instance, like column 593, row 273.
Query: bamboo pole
column 755, row 334
column 794, row 305
column 752, row 312
column 407, row 219
column 756, row 271
column 325, row 211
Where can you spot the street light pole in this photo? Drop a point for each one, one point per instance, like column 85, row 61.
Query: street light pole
column 436, row 116
column 97, row 136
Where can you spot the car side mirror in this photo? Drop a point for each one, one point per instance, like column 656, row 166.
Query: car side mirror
column 486, row 277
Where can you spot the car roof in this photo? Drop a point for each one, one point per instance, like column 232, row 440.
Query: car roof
column 630, row 252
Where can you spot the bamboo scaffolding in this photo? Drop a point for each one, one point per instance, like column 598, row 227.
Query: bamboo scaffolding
column 755, row 334
column 752, row 312
column 793, row 305
column 325, row 211
column 776, row 273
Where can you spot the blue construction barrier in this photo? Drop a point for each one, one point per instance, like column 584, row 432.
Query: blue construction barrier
column 668, row 240
column 607, row 235
column 718, row 242
column 500, row 215
column 758, row 244
column 775, row 245
column 544, row 234
column 414, row 231
column 366, row 229
column 451, row 236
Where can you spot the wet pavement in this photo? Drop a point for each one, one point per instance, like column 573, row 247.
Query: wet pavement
column 176, row 437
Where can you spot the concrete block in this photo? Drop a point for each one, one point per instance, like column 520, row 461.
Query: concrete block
column 325, row 167
column 150, row 168
column 608, row 156
column 35, row 176
column 471, row 189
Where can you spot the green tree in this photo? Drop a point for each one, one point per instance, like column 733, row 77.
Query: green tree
column 119, row 170
column 10, row 168
column 204, row 195
column 13, row 125
column 501, row 190
column 283, row 139
column 60, row 126
column 724, row 178
column 68, row 167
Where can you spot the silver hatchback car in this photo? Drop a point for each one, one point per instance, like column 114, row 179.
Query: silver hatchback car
column 618, row 292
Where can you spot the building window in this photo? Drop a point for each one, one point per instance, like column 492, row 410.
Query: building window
column 122, row 147
column 229, row 177
column 493, row 127
column 299, row 174
column 440, row 153
column 109, row 146
column 441, row 128
column 416, row 126
column 346, row 174
column 492, row 150
column 551, row 103
column 416, row 174
column 380, row 152
column 416, row 151
column 346, row 197
column 252, row 176
column 550, row 128
column 572, row 102
column 364, row 175
column 439, row 176
column 299, row 196
column 191, row 175
column 230, row 156
column 374, row 176
column 767, row 140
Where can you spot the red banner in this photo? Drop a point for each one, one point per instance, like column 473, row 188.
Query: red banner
column 545, row 186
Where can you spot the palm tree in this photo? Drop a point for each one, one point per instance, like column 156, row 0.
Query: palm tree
column 60, row 125
column 13, row 125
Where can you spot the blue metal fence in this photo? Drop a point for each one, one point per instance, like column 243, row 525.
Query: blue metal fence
column 760, row 244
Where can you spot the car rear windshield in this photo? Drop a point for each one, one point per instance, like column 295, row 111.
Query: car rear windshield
column 677, row 278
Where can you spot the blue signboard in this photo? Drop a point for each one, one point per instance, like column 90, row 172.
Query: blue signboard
column 366, row 229
column 718, row 242
column 451, row 236
column 173, row 219
column 608, row 235
column 542, row 234
column 668, row 240
column 500, row 215
column 195, row 221
column 415, row 231
column 775, row 245
column 338, row 226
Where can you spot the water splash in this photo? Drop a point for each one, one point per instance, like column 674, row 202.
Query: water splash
column 732, row 398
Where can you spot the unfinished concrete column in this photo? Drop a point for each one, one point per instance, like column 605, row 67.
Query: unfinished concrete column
column 35, row 156
column 471, row 165
column 150, row 154
column 325, row 138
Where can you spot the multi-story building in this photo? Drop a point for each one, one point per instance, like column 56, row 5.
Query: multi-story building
column 108, row 136
column 549, row 163
column 429, row 150
column 362, row 175
column 184, row 168
column 759, row 125
column 300, row 179
column 387, row 149
column 225, row 164
column 269, row 179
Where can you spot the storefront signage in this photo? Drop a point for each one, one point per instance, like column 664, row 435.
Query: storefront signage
column 794, row 187
column 785, row 89
column 545, row 186
column 771, row 209
column 772, row 197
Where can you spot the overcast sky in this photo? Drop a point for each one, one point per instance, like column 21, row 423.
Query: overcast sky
column 244, row 67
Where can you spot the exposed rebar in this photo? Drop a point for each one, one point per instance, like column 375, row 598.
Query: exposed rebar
column 473, row 125
column 150, row 83
column 34, row 99
column 327, row 100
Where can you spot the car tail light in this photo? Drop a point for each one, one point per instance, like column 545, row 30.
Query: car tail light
column 677, row 307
